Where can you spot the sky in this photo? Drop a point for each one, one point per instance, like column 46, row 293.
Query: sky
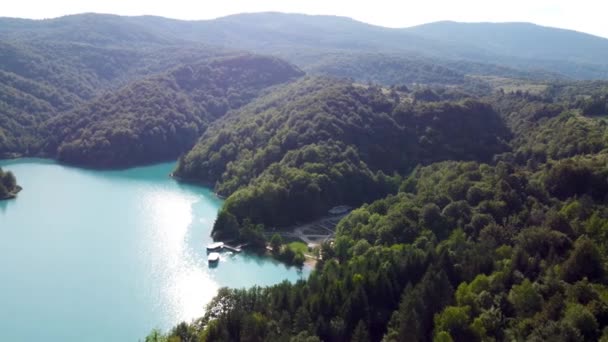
column 580, row 15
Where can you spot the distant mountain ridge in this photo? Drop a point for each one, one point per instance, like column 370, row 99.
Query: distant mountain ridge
column 302, row 38
column 55, row 66
column 521, row 40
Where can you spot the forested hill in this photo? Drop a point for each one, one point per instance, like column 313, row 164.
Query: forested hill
column 303, row 39
column 510, row 249
column 40, row 79
column 521, row 46
column 316, row 143
column 160, row 117
column 521, row 40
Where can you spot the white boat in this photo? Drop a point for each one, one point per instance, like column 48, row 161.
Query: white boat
column 213, row 258
column 215, row 246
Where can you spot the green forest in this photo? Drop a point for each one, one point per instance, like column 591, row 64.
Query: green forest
column 160, row 117
column 319, row 142
column 478, row 176
column 505, row 242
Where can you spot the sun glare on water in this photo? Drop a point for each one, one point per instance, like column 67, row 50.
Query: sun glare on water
column 187, row 286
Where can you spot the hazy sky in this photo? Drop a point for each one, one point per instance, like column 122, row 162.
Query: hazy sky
column 581, row 15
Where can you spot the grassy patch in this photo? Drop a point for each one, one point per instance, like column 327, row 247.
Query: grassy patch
column 298, row 247
column 511, row 85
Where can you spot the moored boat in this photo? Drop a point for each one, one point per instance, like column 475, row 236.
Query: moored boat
column 213, row 258
column 215, row 246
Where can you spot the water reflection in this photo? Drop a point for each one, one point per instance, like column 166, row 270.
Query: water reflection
column 187, row 288
column 4, row 205
column 111, row 254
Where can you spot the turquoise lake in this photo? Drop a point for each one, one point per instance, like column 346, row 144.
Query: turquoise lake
column 109, row 255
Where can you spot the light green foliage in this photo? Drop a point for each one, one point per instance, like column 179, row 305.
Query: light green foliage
column 298, row 247
column 443, row 336
column 454, row 320
column 156, row 336
column 580, row 318
column 525, row 298
column 276, row 243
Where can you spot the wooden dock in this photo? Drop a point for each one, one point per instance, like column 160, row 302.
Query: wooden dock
column 236, row 249
column 218, row 246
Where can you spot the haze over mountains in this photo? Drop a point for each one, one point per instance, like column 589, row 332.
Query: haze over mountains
column 300, row 38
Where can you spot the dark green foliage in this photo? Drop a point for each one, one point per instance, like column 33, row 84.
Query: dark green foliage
column 276, row 242
column 485, row 220
column 385, row 69
column 576, row 177
column 41, row 78
column 499, row 264
column 25, row 104
column 585, row 261
column 286, row 193
column 53, row 66
column 162, row 116
column 318, row 143
column 8, row 185
column 413, row 320
column 565, row 136
column 551, row 125
column 339, row 304
column 596, row 105
column 525, row 298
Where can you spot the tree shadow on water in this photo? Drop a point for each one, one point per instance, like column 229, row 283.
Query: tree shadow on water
column 4, row 204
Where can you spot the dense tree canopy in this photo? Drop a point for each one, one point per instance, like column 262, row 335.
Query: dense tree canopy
column 505, row 246
column 479, row 199
column 386, row 69
column 162, row 116
column 464, row 252
column 40, row 79
column 316, row 143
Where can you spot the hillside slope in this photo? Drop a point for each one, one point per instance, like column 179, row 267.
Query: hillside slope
column 528, row 46
column 319, row 142
column 160, row 117
column 511, row 250
column 41, row 79
column 302, row 39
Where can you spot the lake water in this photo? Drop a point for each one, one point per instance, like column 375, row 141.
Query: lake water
column 109, row 255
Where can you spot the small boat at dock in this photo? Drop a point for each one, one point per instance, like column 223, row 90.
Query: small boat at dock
column 213, row 258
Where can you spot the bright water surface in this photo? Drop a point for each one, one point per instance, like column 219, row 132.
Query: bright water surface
column 108, row 255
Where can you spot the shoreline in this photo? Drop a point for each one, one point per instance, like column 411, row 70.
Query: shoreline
column 197, row 182
column 12, row 194
column 310, row 261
